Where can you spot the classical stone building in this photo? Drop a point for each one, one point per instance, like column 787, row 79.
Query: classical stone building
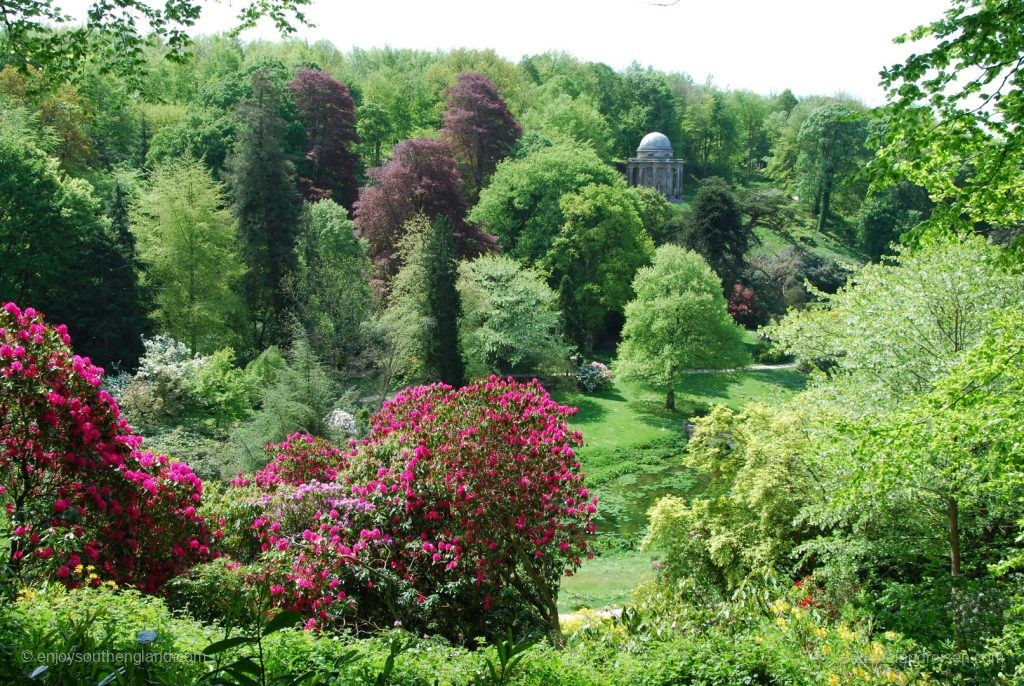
column 656, row 166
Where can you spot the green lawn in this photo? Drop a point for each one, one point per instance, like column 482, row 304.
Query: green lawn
column 633, row 455
column 606, row 580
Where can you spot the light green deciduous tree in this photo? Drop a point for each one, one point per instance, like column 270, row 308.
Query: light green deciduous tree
column 678, row 322
column 186, row 236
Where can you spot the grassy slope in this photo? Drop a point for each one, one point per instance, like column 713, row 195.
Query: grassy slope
column 633, row 455
column 633, row 451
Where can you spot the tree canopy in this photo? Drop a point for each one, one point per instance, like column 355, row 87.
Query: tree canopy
column 953, row 123
column 678, row 322
column 521, row 206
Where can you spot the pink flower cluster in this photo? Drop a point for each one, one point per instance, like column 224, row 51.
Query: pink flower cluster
column 77, row 488
column 477, row 486
column 300, row 459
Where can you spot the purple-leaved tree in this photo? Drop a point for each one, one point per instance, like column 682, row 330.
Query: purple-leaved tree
column 327, row 111
column 479, row 128
column 420, row 178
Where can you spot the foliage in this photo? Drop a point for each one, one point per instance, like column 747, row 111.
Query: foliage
column 655, row 212
column 953, row 121
column 422, row 521
column 743, row 523
column 267, row 206
column 521, row 204
column 205, row 133
column 576, row 121
column 711, row 129
column 52, row 234
column 332, row 288
column 769, row 207
column 716, row 230
column 743, row 306
column 600, row 247
column 764, row 634
column 510, row 322
column 424, row 307
column 955, row 486
column 187, row 240
column 159, row 394
column 831, row 147
column 645, row 102
column 899, row 325
column 442, row 356
column 223, row 390
column 298, row 397
column 374, row 129
column 78, row 492
column 93, row 621
column 889, row 214
column 420, row 178
column 37, row 34
column 301, row 459
column 678, row 322
column 327, row 111
column 479, row 128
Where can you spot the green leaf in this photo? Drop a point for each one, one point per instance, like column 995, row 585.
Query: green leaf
column 227, row 643
column 282, row 620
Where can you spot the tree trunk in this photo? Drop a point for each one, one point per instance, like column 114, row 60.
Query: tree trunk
column 670, row 399
column 953, row 512
column 826, row 204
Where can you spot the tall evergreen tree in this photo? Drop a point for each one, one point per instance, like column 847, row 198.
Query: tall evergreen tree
column 571, row 324
column 421, row 319
column 441, row 354
column 716, row 229
column 268, row 206
column 127, row 300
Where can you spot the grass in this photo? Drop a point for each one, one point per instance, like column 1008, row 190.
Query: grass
column 633, row 455
column 823, row 245
column 606, row 580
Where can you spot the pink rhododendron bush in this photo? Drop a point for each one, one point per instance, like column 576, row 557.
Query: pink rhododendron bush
column 459, row 514
column 82, row 502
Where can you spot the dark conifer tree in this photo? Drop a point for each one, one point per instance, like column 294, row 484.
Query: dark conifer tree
column 442, row 357
column 571, row 324
column 268, row 207
column 113, row 305
column 716, row 230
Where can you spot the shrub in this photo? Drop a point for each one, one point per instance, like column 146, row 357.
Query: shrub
column 75, row 485
column 302, row 459
column 744, row 308
column 458, row 498
column 592, row 376
column 95, row 622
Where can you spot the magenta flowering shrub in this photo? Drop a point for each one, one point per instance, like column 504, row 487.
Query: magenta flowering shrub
column 460, row 501
column 743, row 306
column 300, row 460
column 84, row 503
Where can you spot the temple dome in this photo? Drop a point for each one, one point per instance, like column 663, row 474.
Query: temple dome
column 655, row 142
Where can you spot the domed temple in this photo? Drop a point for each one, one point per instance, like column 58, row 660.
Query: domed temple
column 656, row 166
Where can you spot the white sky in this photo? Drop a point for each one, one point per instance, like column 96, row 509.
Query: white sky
column 810, row 46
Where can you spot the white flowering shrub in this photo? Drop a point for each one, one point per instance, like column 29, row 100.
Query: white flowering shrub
column 591, row 376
